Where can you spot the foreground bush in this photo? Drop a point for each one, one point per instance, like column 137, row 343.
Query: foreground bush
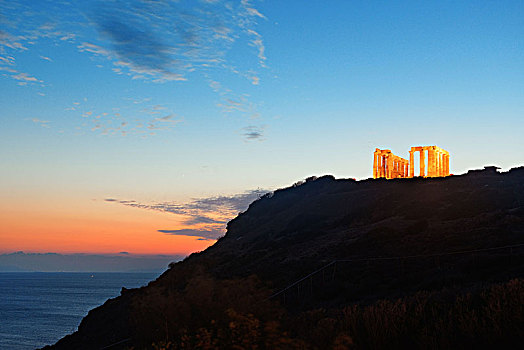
column 211, row 314
column 487, row 318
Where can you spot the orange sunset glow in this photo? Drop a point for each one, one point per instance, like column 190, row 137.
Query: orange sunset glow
column 93, row 227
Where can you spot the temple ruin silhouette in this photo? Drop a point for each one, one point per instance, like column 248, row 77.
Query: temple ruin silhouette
column 390, row 166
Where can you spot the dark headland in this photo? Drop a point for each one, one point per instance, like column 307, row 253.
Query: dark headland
column 341, row 264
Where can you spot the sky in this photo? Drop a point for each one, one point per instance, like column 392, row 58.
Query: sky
column 143, row 126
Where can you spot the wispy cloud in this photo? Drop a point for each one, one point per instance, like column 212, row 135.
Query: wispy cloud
column 210, row 234
column 68, row 37
column 204, row 217
column 9, row 60
column 95, row 49
column 7, row 64
column 259, row 44
column 231, row 103
column 200, row 219
column 25, row 77
column 248, row 7
column 42, row 123
column 253, row 132
column 168, row 119
column 255, row 80
column 45, row 58
column 141, row 118
column 22, row 26
column 167, row 40
column 11, row 41
column 140, row 100
column 140, row 48
column 8, row 69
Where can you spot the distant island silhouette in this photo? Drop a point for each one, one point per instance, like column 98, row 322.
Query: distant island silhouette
column 415, row 262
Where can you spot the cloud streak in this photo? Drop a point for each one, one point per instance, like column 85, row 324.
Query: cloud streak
column 168, row 40
column 204, row 217
column 42, row 123
column 253, row 133
column 139, row 117
column 202, row 234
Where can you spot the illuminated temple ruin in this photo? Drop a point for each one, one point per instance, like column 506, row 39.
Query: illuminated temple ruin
column 390, row 166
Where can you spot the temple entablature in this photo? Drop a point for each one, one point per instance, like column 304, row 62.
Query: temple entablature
column 390, row 166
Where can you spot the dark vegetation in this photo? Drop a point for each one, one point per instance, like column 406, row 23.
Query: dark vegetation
column 407, row 263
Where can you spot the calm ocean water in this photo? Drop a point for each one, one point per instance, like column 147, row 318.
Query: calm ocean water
column 37, row 309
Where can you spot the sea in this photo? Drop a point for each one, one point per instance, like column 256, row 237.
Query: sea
column 39, row 308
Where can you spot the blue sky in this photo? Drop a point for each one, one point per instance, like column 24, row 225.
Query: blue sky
column 172, row 101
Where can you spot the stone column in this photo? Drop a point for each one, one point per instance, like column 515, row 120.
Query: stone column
column 431, row 162
column 441, row 164
column 379, row 165
column 437, row 154
column 438, row 164
column 383, row 165
column 435, row 162
column 411, row 163
column 395, row 166
column 389, row 172
column 374, row 165
column 422, row 163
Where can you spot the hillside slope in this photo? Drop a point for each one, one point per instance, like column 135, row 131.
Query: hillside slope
column 368, row 241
